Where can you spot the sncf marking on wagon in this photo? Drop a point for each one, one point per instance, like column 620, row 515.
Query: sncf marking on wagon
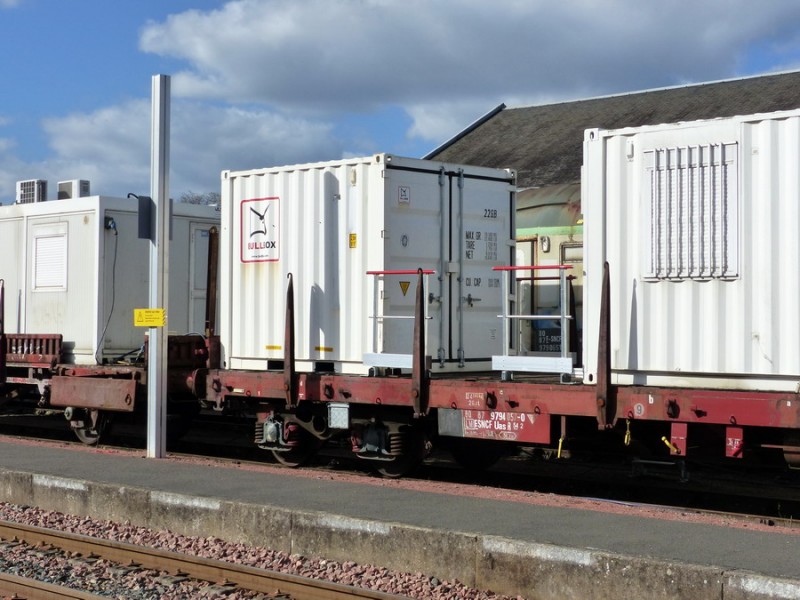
column 501, row 425
column 259, row 230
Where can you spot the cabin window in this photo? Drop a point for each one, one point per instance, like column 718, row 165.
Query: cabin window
column 693, row 193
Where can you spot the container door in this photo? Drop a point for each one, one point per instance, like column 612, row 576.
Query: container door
column 198, row 284
column 480, row 240
column 62, row 289
column 417, row 218
column 458, row 226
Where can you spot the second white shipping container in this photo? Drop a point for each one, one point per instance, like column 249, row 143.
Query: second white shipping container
column 344, row 230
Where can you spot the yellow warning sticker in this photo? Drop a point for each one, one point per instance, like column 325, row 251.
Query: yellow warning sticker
column 149, row 317
column 353, row 240
column 273, row 347
column 404, row 286
column 323, row 348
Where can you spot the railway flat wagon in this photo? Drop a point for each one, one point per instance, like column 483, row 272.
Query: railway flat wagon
column 379, row 266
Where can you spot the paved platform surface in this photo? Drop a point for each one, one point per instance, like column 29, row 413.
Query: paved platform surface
column 534, row 550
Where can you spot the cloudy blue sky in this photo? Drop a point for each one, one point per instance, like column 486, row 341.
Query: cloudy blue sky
column 271, row 82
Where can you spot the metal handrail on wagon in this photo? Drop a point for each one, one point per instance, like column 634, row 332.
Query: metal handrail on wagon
column 385, row 359
column 539, row 364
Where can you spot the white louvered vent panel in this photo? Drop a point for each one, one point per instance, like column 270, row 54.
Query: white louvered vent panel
column 693, row 212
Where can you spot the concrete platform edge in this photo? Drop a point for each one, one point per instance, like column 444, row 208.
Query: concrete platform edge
column 533, row 570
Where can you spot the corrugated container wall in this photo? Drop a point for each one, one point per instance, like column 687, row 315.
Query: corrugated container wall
column 328, row 225
column 700, row 223
column 68, row 271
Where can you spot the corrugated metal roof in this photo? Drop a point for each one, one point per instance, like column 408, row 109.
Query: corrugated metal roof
column 544, row 143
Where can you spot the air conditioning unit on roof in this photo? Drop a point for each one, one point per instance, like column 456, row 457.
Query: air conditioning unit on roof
column 31, row 190
column 75, row 188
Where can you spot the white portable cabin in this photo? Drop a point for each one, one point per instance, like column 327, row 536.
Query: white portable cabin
column 352, row 233
column 77, row 267
column 700, row 224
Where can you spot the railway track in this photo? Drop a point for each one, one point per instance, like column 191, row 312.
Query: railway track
column 227, row 576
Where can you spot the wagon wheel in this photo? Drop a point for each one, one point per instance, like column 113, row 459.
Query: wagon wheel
column 301, row 447
column 398, row 467
column 416, row 447
column 92, row 427
column 791, row 449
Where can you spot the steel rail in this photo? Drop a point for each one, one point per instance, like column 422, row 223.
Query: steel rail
column 24, row 588
column 215, row 571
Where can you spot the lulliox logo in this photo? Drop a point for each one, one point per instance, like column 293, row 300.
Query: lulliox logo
column 259, row 230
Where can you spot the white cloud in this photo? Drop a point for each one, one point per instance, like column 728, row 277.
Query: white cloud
column 457, row 58
column 209, row 140
column 113, row 145
column 9, row 3
column 444, row 120
column 10, row 169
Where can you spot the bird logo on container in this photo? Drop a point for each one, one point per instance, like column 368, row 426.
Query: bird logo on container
column 259, row 230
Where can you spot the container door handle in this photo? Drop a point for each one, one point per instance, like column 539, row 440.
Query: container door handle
column 470, row 299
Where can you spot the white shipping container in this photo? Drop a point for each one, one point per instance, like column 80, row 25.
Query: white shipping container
column 68, row 271
column 328, row 225
column 700, row 224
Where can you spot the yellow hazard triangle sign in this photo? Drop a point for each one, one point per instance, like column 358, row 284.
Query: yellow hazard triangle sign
column 404, row 286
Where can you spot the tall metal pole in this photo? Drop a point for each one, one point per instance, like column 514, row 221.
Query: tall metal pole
column 159, row 267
